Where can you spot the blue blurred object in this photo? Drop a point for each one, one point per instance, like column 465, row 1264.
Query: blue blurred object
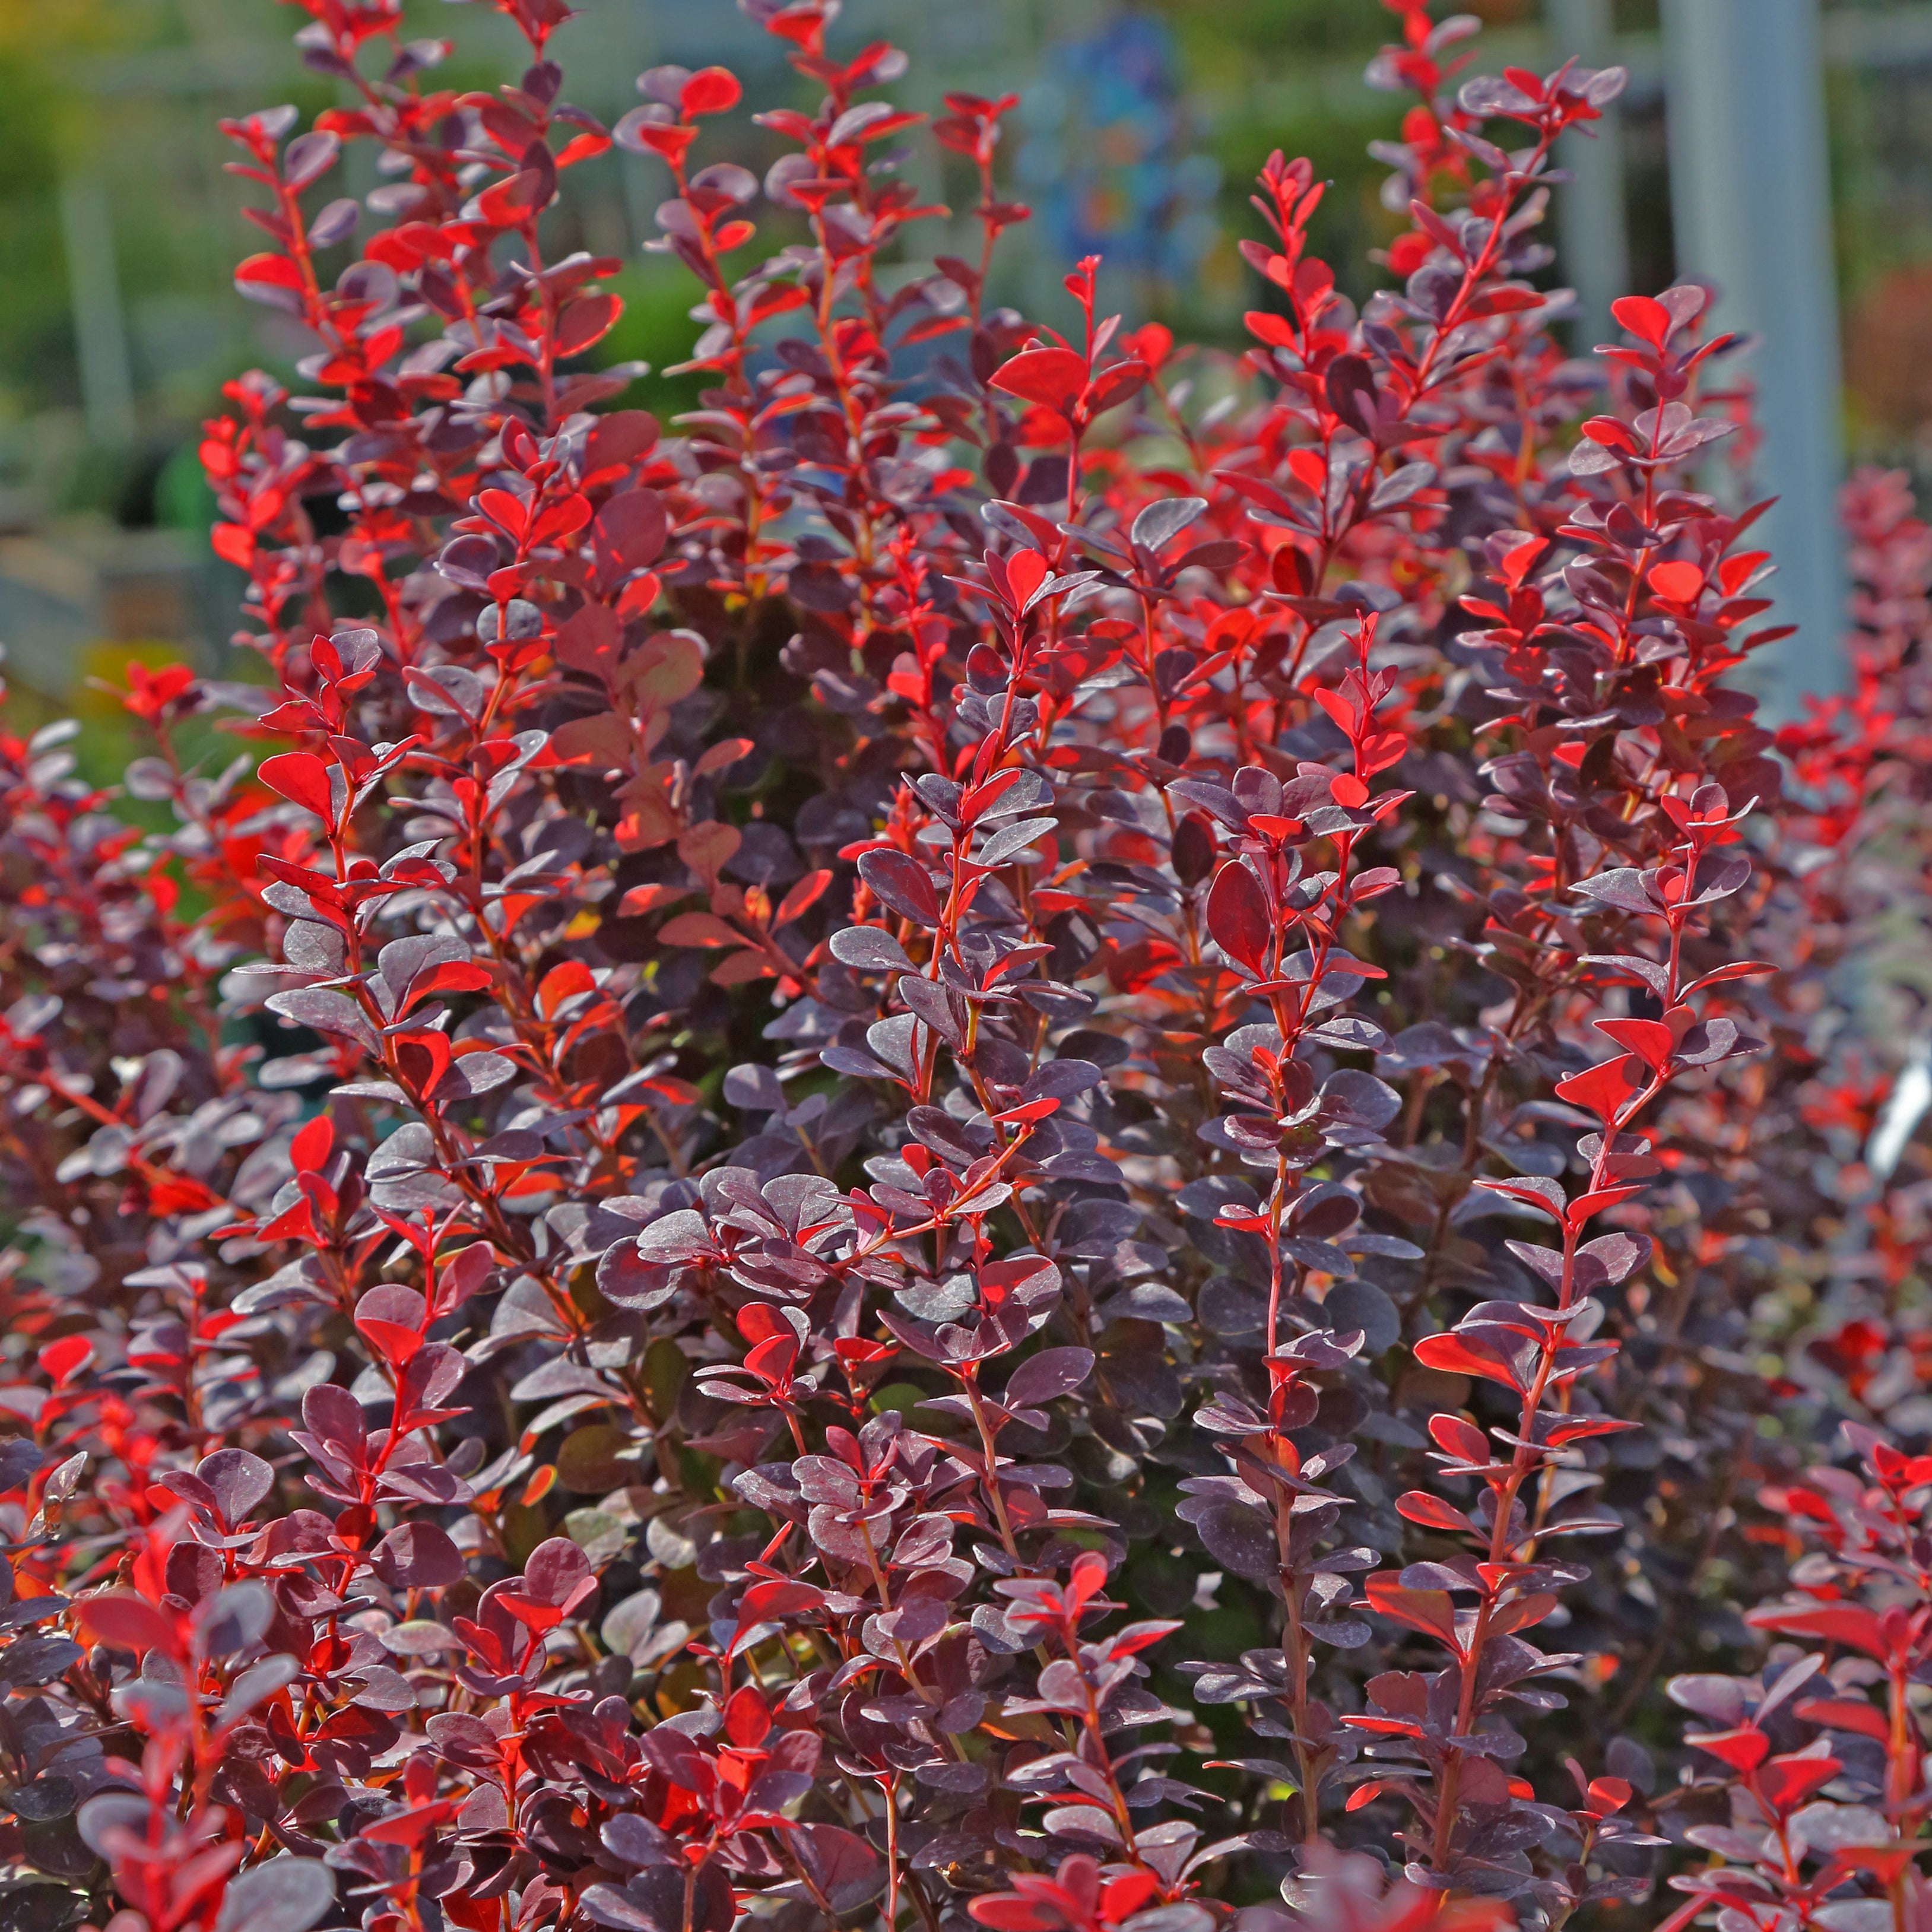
column 1750, row 182
column 1106, row 165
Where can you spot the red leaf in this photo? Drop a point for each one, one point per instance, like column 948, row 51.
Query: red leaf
column 1238, row 915
column 1576, row 1428
column 581, row 147
column 805, row 894
column 1053, row 376
column 1016, row 578
column 233, row 543
column 1846, row 1714
column 640, row 899
column 1419, row 1506
column 658, row 137
column 586, row 641
column 391, row 1319
column 407, row 1828
column 509, row 511
column 1460, row 1438
column 1786, row 1782
column 1007, row 1912
column 1585, row 1205
column 1338, row 708
column 449, row 975
column 1116, row 382
column 759, row 1322
column 563, row 982
column 633, row 526
column 1366, row 1793
column 782, row 1597
column 1679, row 582
column 586, row 320
column 276, row 270
column 711, row 90
column 1643, row 316
column 773, row 1598
column 1743, row 1750
column 1028, row 1110
column 66, row 1358
column 1738, row 969
column 1837, row 1623
column 1455, row 1357
column 699, row 929
column 531, row 1613
column 722, row 756
column 422, row 1059
column 1602, row 1089
column 771, row 1361
column 1431, row 1612
column 1887, row 1860
column 747, row 1717
column 302, row 778
column 560, row 520
column 1385, row 749
column 313, row 1141
column 1522, row 1613
column 508, row 203
column 1650, row 1040
column 123, row 1620
column 273, row 279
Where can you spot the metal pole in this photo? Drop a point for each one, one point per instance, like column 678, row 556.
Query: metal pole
column 99, row 333
column 1750, row 198
column 1592, row 229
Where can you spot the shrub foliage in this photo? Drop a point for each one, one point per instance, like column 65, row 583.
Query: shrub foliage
column 986, row 1142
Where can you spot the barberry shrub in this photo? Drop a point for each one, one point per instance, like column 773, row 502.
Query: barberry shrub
column 971, row 1143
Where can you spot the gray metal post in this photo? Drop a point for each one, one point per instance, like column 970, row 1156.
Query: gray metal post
column 100, row 331
column 1750, row 197
column 1592, row 229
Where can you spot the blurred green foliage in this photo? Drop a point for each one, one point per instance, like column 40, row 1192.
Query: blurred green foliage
column 656, row 327
column 35, row 332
